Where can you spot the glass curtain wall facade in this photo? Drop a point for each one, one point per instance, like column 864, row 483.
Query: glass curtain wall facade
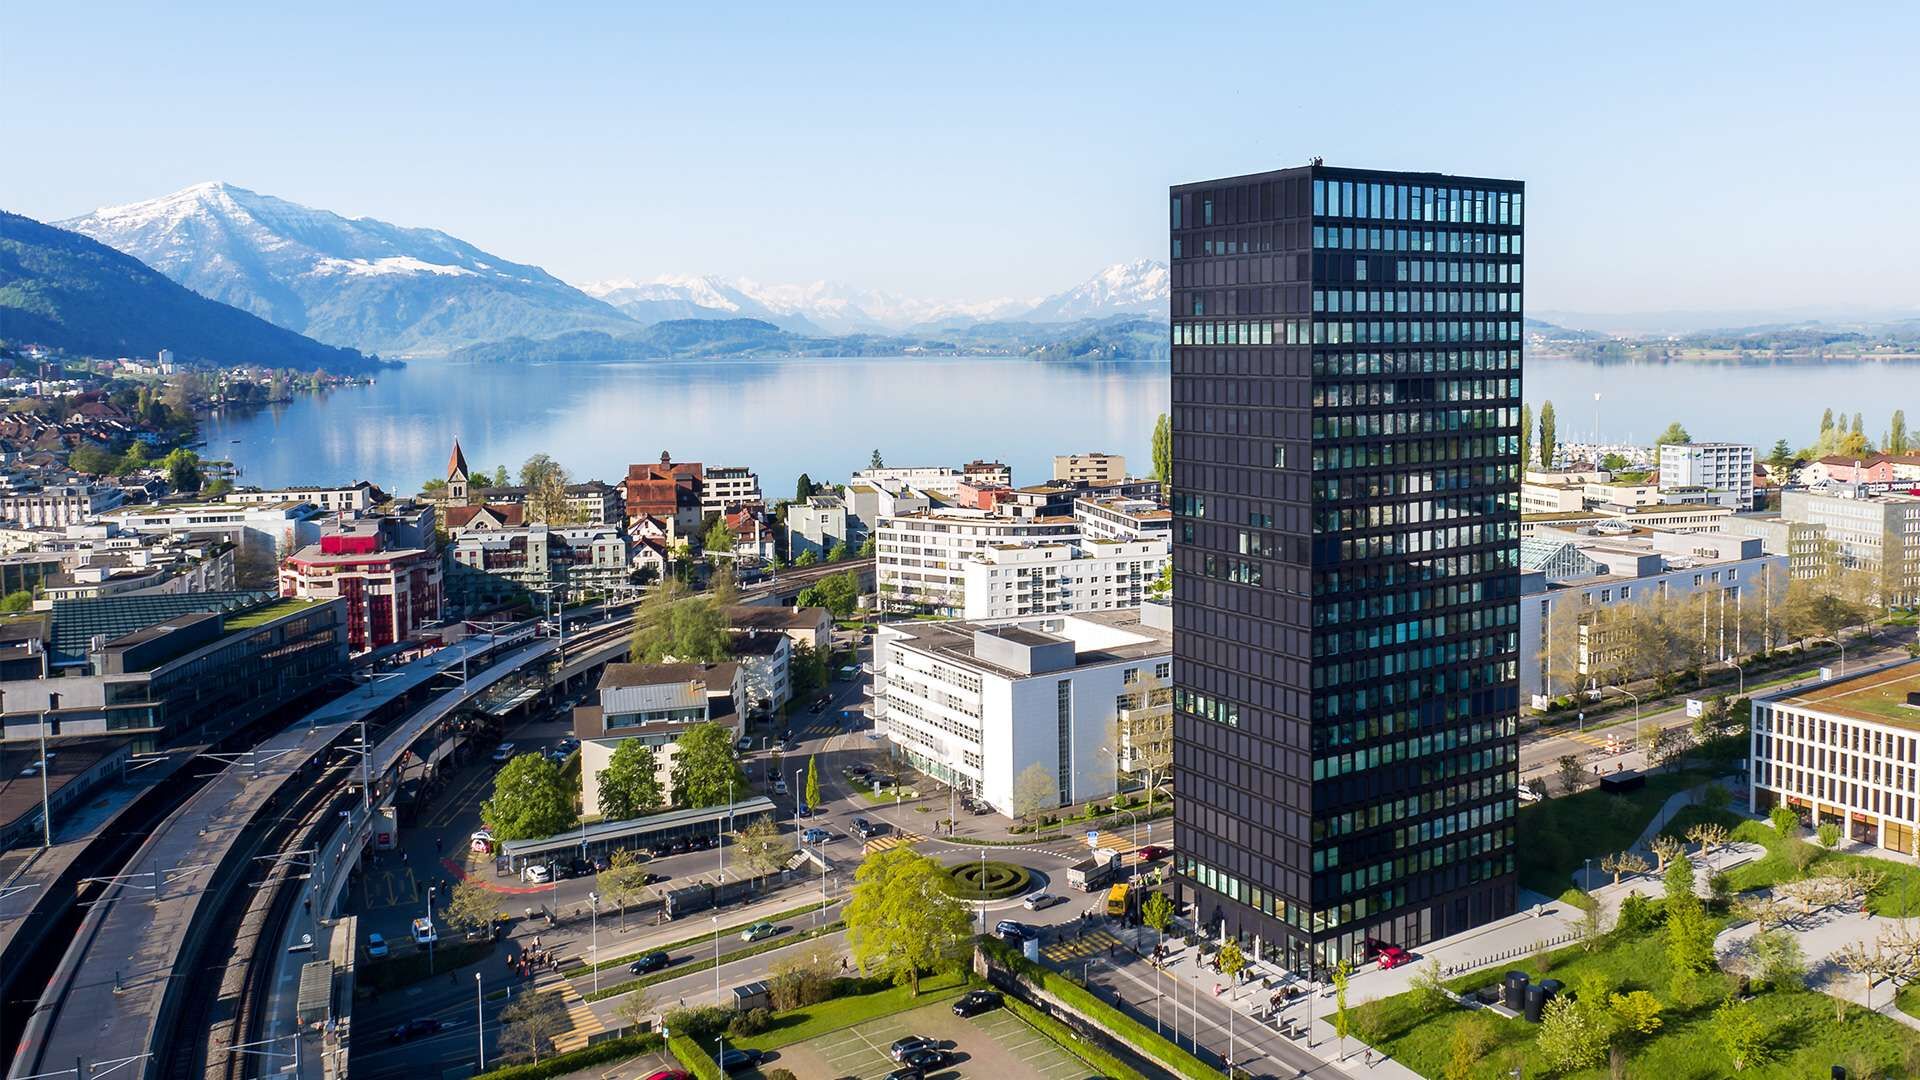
column 1346, row 494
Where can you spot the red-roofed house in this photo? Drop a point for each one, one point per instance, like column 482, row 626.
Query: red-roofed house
column 669, row 490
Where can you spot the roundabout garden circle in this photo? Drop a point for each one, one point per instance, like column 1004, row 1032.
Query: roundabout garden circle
column 987, row 881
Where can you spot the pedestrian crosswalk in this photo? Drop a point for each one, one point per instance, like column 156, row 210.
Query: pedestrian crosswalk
column 1098, row 943
column 582, row 1025
column 892, row 839
column 818, row 731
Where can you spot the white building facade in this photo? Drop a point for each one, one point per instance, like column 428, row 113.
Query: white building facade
column 1719, row 467
column 1844, row 752
column 1012, row 580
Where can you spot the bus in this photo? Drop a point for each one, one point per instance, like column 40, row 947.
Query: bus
column 1117, row 901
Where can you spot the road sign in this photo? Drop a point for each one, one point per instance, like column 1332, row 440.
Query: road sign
column 1093, row 838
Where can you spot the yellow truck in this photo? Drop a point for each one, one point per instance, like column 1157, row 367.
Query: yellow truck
column 1117, row 901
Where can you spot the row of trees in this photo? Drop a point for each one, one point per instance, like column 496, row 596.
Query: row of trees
column 532, row 798
column 182, row 466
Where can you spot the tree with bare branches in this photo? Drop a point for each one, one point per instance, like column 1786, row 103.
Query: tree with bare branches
column 1624, row 863
column 1665, row 848
column 1709, row 835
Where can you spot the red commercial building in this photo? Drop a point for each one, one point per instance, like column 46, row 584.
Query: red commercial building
column 392, row 588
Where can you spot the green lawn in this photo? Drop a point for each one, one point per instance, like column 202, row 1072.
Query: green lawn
column 706, row 963
column 1898, row 894
column 266, row 613
column 812, row 1021
column 777, row 918
column 1806, row 1035
column 1559, row 834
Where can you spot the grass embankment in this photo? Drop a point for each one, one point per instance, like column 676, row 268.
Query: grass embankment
column 1803, row 1031
column 870, row 999
column 706, row 963
column 1558, row 835
column 1107, row 1064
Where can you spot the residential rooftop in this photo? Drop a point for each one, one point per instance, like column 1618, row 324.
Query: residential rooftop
column 266, row 613
column 1876, row 697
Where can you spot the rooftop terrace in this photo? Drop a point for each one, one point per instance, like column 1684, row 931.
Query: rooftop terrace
column 1878, row 697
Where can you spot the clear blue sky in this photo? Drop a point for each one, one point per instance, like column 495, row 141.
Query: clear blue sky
column 1677, row 155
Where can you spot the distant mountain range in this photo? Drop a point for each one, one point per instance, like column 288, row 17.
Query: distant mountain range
column 62, row 289
column 373, row 286
column 1118, row 338
column 347, row 281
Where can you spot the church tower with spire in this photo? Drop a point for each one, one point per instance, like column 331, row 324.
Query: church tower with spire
column 457, row 477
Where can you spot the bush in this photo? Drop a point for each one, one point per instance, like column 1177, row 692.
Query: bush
column 974, row 880
column 750, row 1023
column 779, row 1074
column 561, row 1064
column 700, row 1023
column 697, row 1061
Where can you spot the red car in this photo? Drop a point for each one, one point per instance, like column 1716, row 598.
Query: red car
column 1152, row 852
column 1392, row 956
column 669, row 1074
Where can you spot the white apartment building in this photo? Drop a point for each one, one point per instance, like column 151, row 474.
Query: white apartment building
column 1094, row 467
column 283, row 527
column 346, row 498
column 726, row 488
column 921, row 557
column 1844, row 752
column 1879, row 534
column 1718, row 467
column 1049, row 578
column 1539, row 498
column 988, row 473
column 654, row 703
column 1686, row 519
column 818, row 524
column 939, row 479
column 1116, row 517
column 981, row 703
column 1571, row 581
column 59, row 505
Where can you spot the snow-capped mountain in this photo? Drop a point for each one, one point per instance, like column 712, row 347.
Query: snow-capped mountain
column 813, row 307
column 1139, row 287
column 355, row 282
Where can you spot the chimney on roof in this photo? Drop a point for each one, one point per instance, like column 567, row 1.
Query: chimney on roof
column 666, row 458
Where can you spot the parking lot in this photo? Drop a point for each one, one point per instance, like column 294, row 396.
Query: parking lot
column 996, row 1044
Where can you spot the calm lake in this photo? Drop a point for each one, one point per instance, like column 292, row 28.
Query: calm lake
column 826, row 416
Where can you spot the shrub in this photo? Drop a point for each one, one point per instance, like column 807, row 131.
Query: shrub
column 1636, row 914
column 700, row 1023
column 975, row 880
column 750, row 1023
column 697, row 1060
column 779, row 1074
column 561, row 1064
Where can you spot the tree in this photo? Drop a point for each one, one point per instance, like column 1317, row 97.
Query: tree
column 472, row 907
column 1429, row 987
column 689, row 629
column 1677, row 883
column 724, row 587
column 1161, row 588
column 1826, row 422
column 499, row 476
column 529, row 1023
column 91, row 459
column 807, row 669
column 876, row 461
column 1526, row 437
column 624, row 880
column 807, row 558
column 1163, row 452
column 1742, row 1034
column 637, row 1009
column 183, row 470
column 1784, row 820
column 903, row 921
column 630, row 784
column 1828, row 834
column 839, row 593
column 1636, row 1013
column 1546, row 434
column 1664, row 848
column 1709, row 835
column 1778, row 960
column 705, row 770
column 1034, row 790
column 1158, row 913
column 1472, row 1040
column 1780, row 460
column 762, row 848
column 546, row 484
column 806, row 978
column 1623, row 863
column 813, row 783
column 1689, row 945
column 16, row 602
column 1897, row 434
column 870, row 546
column 1674, row 435
column 1342, row 1016
column 803, row 488
column 1573, row 1034
column 529, row 800
column 719, row 538
column 1568, row 768
column 1232, row 960
column 838, row 552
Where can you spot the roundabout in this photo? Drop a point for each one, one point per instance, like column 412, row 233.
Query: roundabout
column 989, row 880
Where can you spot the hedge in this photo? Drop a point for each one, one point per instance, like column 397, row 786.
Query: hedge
column 1099, row 1014
column 1073, row 1043
column 697, row 1061
column 561, row 1064
column 987, row 881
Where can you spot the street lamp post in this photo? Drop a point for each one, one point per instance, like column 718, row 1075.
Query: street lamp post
column 716, row 959
column 431, row 936
column 1636, row 709
column 593, row 950
column 1741, row 668
column 480, row 1020
column 799, row 795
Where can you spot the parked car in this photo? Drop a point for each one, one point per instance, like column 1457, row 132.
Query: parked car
column 670, row 1074
column 424, row 932
column 928, row 1058
column 376, row 946
column 819, row 706
column 1011, row 932
column 734, row 1061
column 745, row 744
column 503, row 752
column 413, row 1029
column 653, row 961
column 1392, row 956
column 580, row 868
column 702, row 842
column 1529, row 793
column 1041, row 901
column 1153, row 851
column 905, row 1072
column 908, row 1044
column 537, row 874
column 779, row 785
column 759, row 931
column 602, row 864
column 651, row 878
column 814, row 835
column 975, row 1002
